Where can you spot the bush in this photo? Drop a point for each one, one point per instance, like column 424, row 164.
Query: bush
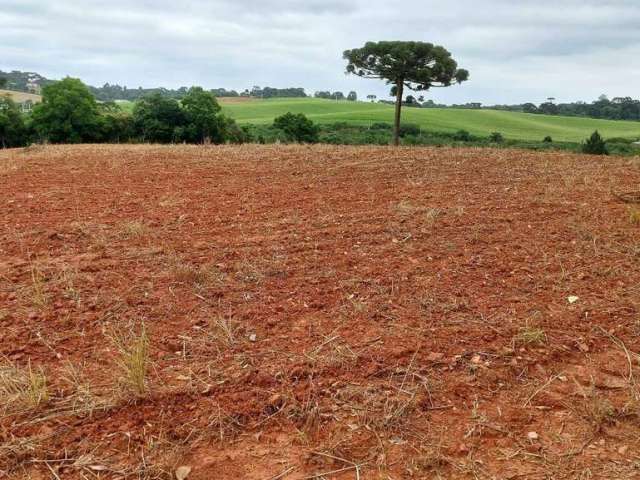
column 496, row 137
column 235, row 134
column 595, row 145
column 297, row 127
column 381, row 126
column 159, row 119
column 409, row 129
column 547, row 139
column 462, row 136
column 13, row 131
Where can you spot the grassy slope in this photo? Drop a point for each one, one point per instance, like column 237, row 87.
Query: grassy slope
column 20, row 96
column 480, row 122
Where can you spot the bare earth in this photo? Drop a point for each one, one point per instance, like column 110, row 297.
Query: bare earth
column 318, row 312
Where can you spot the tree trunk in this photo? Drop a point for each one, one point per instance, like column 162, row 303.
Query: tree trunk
column 396, row 125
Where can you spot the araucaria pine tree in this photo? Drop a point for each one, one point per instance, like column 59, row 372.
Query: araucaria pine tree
column 414, row 65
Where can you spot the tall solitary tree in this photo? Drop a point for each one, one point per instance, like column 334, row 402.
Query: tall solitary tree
column 415, row 65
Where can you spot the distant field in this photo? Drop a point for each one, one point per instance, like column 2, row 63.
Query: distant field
column 21, row 96
column 512, row 125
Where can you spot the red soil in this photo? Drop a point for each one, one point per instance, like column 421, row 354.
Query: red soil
column 384, row 313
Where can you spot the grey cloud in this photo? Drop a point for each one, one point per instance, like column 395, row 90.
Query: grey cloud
column 516, row 51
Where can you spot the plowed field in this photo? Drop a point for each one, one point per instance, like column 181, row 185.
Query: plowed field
column 293, row 312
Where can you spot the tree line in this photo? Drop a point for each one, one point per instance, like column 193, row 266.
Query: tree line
column 618, row 108
column 69, row 113
column 22, row 81
column 352, row 96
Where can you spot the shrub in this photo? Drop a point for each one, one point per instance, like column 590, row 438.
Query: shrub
column 595, row 145
column 13, row 131
column 158, row 119
column 547, row 139
column 381, row 126
column 236, row 134
column 462, row 136
column 409, row 129
column 496, row 137
column 297, row 127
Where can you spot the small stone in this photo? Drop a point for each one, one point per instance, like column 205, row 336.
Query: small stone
column 476, row 359
column 532, row 436
column 623, row 449
column 253, row 337
column 182, row 472
column 573, row 299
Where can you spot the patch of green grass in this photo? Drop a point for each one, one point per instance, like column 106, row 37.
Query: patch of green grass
column 512, row 125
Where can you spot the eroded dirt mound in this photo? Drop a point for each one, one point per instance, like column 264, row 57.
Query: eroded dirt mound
column 317, row 312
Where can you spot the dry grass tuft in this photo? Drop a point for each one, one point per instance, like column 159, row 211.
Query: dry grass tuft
column 181, row 271
column 634, row 216
column 134, row 229
column 22, row 388
column 133, row 360
column 431, row 215
column 39, row 297
column 531, row 336
column 223, row 331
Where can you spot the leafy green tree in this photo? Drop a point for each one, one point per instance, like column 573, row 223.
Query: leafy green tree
column 462, row 136
column 548, row 108
column 337, row 96
column 353, row 96
column 595, row 145
column 3, row 82
column 415, row 65
column 68, row 113
column 116, row 125
column 297, row 127
column 158, row 119
column 204, row 123
column 13, row 132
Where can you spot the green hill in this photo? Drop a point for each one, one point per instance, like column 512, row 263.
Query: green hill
column 512, row 125
column 522, row 126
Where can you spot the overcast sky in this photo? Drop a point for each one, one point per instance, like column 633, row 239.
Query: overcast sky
column 516, row 50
